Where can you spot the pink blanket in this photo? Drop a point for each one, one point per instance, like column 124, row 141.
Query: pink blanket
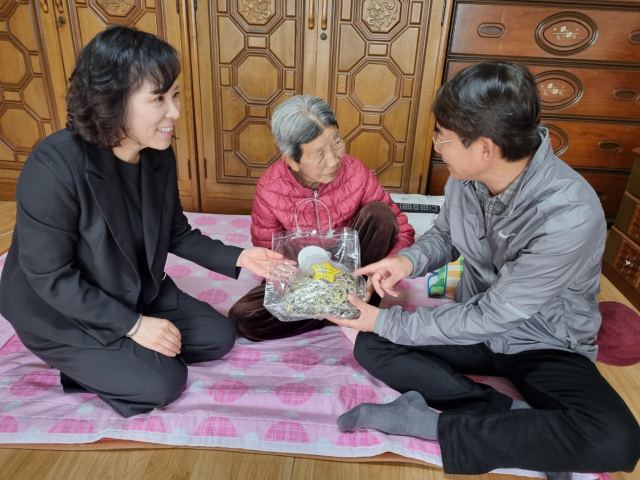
column 278, row 396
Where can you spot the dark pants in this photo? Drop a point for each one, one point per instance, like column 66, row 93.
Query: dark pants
column 134, row 379
column 377, row 228
column 578, row 422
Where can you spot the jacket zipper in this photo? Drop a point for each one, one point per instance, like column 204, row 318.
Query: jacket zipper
column 315, row 196
column 484, row 241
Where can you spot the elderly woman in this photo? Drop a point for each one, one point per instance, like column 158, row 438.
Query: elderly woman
column 98, row 212
column 314, row 165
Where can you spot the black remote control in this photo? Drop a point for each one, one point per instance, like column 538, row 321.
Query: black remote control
column 417, row 208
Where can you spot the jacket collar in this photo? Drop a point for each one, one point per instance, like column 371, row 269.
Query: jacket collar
column 108, row 192
column 539, row 168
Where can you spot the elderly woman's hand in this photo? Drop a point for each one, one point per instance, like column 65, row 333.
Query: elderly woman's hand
column 158, row 335
column 256, row 260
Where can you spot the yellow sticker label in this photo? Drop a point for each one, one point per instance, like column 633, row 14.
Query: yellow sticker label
column 325, row 272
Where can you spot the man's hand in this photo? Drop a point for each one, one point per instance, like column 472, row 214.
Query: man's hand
column 256, row 260
column 365, row 322
column 386, row 273
column 368, row 290
column 158, row 335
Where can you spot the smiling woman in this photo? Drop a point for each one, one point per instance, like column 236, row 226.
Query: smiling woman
column 121, row 72
column 98, row 212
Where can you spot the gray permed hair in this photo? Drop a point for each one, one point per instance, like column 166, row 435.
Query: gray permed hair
column 301, row 119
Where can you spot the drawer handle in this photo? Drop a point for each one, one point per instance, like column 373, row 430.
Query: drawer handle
column 634, row 38
column 558, row 89
column 609, row 146
column 491, row 30
column 601, row 195
column 627, row 263
column 558, row 137
column 626, row 94
column 566, row 33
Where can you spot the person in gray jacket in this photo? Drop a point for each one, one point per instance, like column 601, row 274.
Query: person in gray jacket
column 532, row 233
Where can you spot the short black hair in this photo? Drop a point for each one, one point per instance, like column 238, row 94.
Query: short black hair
column 113, row 66
column 497, row 100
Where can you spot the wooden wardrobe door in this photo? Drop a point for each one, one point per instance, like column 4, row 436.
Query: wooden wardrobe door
column 86, row 18
column 249, row 56
column 382, row 64
column 31, row 84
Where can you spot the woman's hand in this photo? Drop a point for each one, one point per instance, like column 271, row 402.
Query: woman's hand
column 386, row 273
column 158, row 335
column 256, row 260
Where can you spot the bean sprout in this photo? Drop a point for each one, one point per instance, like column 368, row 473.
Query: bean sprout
column 307, row 296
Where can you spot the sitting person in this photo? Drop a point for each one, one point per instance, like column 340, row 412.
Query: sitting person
column 98, row 212
column 532, row 233
column 314, row 165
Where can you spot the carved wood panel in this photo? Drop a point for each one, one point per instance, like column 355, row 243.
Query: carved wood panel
column 28, row 110
column 89, row 17
column 253, row 65
column 376, row 70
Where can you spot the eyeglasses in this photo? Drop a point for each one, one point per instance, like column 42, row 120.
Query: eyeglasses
column 436, row 145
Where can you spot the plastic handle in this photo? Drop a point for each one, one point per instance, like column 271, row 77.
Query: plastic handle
column 304, row 202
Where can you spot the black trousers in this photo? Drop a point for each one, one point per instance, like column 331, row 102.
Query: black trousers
column 578, row 422
column 377, row 228
column 134, row 379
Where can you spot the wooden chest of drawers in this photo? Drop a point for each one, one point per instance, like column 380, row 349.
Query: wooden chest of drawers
column 585, row 58
column 621, row 261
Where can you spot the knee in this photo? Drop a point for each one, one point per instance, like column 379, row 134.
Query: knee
column 364, row 350
column 241, row 319
column 615, row 440
column 237, row 312
column 380, row 211
column 214, row 338
column 622, row 444
column 166, row 386
column 222, row 337
column 240, row 312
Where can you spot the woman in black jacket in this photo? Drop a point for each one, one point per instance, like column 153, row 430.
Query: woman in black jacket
column 98, row 212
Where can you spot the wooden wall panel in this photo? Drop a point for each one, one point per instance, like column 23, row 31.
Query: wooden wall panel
column 376, row 71
column 250, row 62
column 30, row 84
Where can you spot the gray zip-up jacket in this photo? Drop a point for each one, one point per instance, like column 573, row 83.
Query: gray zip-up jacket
column 530, row 280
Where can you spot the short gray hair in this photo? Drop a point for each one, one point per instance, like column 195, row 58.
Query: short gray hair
column 301, row 119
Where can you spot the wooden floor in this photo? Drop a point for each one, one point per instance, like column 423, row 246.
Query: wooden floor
column 192, row 464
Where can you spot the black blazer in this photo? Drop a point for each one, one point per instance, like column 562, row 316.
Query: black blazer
column 71, row 273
